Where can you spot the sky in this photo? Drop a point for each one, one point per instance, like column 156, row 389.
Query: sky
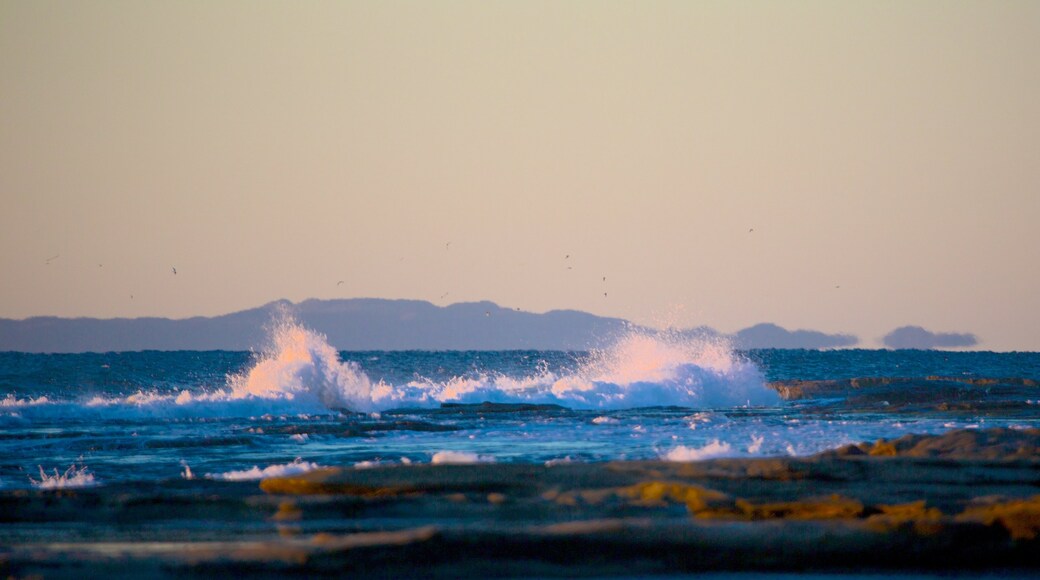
column 839, row 166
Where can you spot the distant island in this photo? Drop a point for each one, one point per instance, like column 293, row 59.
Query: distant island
column 371, row 324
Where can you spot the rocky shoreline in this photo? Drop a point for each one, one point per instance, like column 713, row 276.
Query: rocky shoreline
column 961, row 501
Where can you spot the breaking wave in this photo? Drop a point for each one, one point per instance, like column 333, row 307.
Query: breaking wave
column 300, row 373
column 303, row 367
column 640, row 370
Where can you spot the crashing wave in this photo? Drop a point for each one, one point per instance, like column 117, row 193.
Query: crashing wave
column 301, row 373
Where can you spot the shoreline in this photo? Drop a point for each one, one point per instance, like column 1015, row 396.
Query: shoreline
column 962, row 501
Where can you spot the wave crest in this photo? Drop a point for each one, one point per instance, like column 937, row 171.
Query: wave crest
column 301, row 366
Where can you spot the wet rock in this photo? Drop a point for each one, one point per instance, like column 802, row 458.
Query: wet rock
column 1021, row 518
column 999, row 444
column 832, row 507
column 958, row 501
column 897, row 387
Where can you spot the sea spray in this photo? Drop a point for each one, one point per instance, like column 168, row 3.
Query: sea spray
column 302, row 367
column 298, row 373
column 647, row 368
column 642, row 369
column 73, row 477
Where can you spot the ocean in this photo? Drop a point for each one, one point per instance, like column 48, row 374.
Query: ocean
column 201, row 418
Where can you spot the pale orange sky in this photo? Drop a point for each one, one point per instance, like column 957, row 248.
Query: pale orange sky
column 271, row 149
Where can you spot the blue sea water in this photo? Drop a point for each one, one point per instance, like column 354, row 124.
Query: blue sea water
column 118, row 418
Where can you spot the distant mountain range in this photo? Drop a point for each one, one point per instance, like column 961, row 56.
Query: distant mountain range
column 369, row 324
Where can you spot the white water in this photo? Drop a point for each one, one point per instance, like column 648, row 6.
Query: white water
column 640, row 370
column 300, row 373
column 292, row 468
column 73, row 477
column 460, row 457
column 303, row 367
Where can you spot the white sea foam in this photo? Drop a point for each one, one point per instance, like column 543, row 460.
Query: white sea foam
column 72, row 477
column 460, row 457
column 368, row 464
column 713, row 449
column 12, row 402
column 295, row 467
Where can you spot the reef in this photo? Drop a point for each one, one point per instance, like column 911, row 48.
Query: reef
column 961, row 501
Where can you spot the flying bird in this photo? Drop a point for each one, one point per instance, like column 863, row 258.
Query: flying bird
column 339, row 283
column 51, row 259
column 174, row 271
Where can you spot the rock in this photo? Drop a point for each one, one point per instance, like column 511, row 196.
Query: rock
column 989, row 444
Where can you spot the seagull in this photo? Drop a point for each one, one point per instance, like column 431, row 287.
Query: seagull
column 339, row 283
column 567, row 257
column 174, row 271
column 445, row 295
column 51, row 259
column 487, row 313
column 604, row 278
column 604, row 294
column 446, row 245
column 750, row 230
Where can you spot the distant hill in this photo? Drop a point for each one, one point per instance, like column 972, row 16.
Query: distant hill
column 772, row 336
column 367, row 324
column 354, row 324
column 918, row 338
